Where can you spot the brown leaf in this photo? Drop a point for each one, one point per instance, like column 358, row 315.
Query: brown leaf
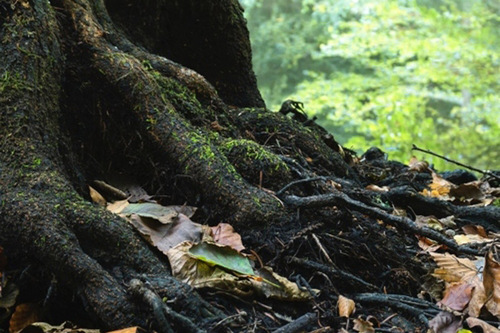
column 439, row 188
column 97, row 197
column 474, row 230
column 166, row 236
column 24, row 315
column 453, row 269
column 457, row 296
column 487, row 328
column 469, row 190
column 491, row 279
column 345, row 306
column 224, row 234
column 376, row 188
column 478, row 299
column 363, row 326
column 416, row 165
column 445, row 322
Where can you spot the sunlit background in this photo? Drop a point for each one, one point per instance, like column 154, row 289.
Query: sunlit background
column 387, row 73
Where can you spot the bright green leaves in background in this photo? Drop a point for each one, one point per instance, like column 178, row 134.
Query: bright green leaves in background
column 387, row 73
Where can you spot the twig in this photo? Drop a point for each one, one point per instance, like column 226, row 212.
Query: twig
column 298, row 325
column 487, row 173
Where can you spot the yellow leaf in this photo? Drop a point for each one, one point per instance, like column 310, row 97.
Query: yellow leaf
column 345, row 306
column 97, row 197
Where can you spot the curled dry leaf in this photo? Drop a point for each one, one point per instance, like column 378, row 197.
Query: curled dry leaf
column 97, row 197
column 445, row 322
column 487, row 328
column 166, row 236
column 416, row 165
column 346, row 306
column 363, row 326
column 224, row 234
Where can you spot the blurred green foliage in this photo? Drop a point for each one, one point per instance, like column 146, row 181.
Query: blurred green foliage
column 387, row 73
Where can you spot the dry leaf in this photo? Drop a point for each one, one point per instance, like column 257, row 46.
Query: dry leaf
column 491, row 280
column 377, row 188
column 474, row 230
column 345, row 306
column 224, row 234
column 166, row 236
column 439, row 188
column 117, row 206
column 201, row 274
column 24, row 315
column 416, row 165
column 445, row 322
column 457, row 296
column 478, row 299
column 487, row 328
column 363, row 326
column 97, row 197
column 469, row 190
column 429, row 221
column 453, row 269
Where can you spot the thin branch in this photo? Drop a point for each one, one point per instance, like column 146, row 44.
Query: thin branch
column 487, row 173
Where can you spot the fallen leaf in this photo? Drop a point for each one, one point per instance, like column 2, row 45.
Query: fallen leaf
column 454, row 269
column 445, row 322
column 429, row 221
column 487, row 328
column 24, row 315
column 117, row 206
column 223, row 256
column 474, row 230
column 164, row 214
column 457, row 296
column 375, row 188
column 166, row 236
column 346, row 306
column 363, row 326
column 491, row 279
column 97, row 197
column 224, row 234
column 204, row 274
column 416, row 165
column 469, row 190
column 439, row 188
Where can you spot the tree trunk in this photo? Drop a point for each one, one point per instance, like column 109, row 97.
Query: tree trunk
column 162, row 92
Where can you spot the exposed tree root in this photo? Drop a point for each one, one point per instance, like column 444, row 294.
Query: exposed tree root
column 82, row 99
